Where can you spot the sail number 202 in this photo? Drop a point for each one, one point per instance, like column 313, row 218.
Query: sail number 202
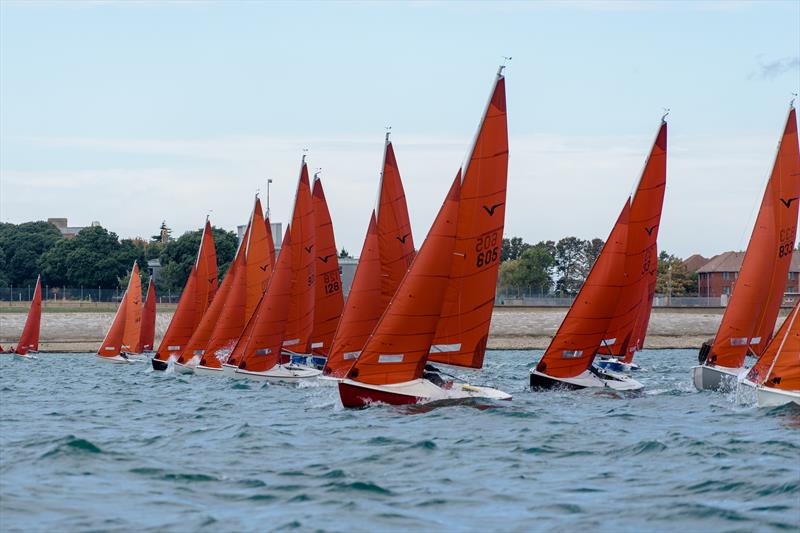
column 487, row 250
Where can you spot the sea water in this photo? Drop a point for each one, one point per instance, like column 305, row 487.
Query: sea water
column 100, row 447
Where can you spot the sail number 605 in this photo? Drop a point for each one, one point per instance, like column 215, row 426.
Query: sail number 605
column 486, row 249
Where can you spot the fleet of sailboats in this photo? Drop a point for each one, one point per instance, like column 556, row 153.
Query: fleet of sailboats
column 409, row 313
column 749, row 319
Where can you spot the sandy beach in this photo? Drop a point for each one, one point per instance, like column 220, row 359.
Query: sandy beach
column 513, row 328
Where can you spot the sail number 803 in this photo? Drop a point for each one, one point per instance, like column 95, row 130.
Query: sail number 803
column 486, row 249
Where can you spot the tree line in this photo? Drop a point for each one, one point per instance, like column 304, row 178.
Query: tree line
column 98, row 258
column 560, row 268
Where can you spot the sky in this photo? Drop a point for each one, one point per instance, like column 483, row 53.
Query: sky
column 130, row 113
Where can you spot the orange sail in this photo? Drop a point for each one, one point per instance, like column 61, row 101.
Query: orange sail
column 148, row 331
column 232, row 317
column 197, row 294
column 133, row 313
column 257, row 259
column 395, row 241
column 29, row 340
column 632, row 314
column 270, row 244
column 749, row 319
column 196, row 347
column 580, row 335
column 259, row 347
column 301, row 307
column 464, row 325
column 362, row 310
column 387, row 253
column 398, row 348
column 328, row 301
column 112, row 344
column 648, row 293
column 779, row 365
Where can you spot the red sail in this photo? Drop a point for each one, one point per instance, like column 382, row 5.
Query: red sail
column 197, row 294
column 643, row 320
column 301, row 308
column 112, row 343
column 148, row 331
column 398, row 348
column 630, row 317
column 232, row 318
column 579, row 337
column 779, row 365
column 270, row 242
column 396, row 244
column 257, row 259
column 259, row 347
column 29, row 340
column 328, row 301
column 750, row 317
column 467, row 312
column 196, row 347
column 362, row 310
column 133, row 313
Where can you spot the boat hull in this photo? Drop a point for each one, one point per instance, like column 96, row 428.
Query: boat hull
column 602, row 379
column 229, row 370
column 357, row 394
column 117, row 360
column 25, row 357
column 158, row 364
column 183, row 368
column 201, row 370
column 281, row 374
column 769, row 397
column 616, row 365
column 718, row 378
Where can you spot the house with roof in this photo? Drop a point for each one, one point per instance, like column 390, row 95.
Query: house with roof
column 719, row 274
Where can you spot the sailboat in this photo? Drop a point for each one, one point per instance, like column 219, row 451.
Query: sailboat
column 328, row 299
column 148, row 329
column 776, row 375
column 199, row 291
column 387, row 253
column 392, row 367
column 608, row 310
column 122, row 339
column 254, row 247
column 252, row 279
column 29, row 340
column 627, row 330
column 749, row 319
column 281, row 327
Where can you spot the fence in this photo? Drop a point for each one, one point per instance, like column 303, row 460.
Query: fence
column 80, row 294
column 521, row 299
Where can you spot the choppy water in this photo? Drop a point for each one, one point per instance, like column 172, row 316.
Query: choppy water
column 87, row 446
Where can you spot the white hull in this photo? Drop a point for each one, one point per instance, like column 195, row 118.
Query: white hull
column 769, row 397
column 117, row 360
column 183, row 369
column 721, row 378
column 25, row 357
column 587, row 380
column 201, row 370
column 229, row 371
column 328, row 380
column 290, row 373
column 616, row 365
column 358, row 394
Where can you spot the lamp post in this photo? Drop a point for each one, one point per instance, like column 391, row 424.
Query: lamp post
column 269, row 181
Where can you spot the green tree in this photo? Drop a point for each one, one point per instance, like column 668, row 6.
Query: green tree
column 592, row 251
column 22, row 247
column 512, row 248
column 570, row 261
column 344, row 254
column 532, row 270
column 673, row 277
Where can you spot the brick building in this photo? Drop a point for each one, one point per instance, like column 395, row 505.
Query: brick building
column 719, row 274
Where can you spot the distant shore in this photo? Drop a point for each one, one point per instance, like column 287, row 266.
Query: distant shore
column 75, row 329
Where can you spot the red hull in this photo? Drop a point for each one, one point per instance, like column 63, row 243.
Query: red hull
column 353, row 396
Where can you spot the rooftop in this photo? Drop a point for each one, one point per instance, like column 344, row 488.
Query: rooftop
column 732, row 262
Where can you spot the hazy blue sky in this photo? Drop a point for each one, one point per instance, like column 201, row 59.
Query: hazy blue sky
column 130, row 113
